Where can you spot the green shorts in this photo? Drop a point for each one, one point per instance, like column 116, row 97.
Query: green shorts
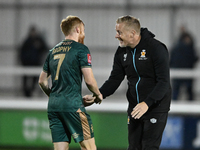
column 63, row 125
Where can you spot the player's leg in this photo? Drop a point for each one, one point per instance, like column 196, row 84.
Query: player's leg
column 88, row 144
column 81, row 128
column 154, row 125
column 60, row 134
column 61, row 145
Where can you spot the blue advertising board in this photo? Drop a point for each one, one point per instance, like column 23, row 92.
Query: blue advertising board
column 182, row 133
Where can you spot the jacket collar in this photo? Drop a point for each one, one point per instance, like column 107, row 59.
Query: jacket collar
column 145, row 34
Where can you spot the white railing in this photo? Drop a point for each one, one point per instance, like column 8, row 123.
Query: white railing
column 174, row 73
column 109, row 106
column 105, row 106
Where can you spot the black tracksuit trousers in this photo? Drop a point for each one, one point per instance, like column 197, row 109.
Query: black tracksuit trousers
column 146, row 133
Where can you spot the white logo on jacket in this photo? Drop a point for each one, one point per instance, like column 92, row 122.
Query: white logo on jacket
column 153, row 120
column 125, row 55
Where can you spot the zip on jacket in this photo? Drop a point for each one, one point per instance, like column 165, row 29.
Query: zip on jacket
column 136, row 86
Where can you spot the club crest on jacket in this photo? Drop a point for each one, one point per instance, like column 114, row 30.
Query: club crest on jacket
column 143, row 55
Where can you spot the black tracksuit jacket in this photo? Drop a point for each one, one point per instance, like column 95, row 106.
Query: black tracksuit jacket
column 147, row 70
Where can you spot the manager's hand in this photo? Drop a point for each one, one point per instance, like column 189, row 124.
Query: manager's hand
column 90, row 98
column 98, row 99
column 139, row 110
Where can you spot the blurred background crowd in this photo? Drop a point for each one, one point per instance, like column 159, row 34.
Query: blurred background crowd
column 30, row 28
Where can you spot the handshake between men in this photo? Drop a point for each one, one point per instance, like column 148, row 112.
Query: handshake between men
column 90, row 99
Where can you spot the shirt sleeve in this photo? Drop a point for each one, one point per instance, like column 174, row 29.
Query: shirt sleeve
column 160, row 58
column 46, row 65
column 116, row 77
column 85, row 58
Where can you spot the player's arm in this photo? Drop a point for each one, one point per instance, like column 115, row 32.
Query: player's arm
column 43, row 83
column 88, row 100
column 92, row 84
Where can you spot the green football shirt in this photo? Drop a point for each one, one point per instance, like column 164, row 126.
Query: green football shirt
column 64, row 63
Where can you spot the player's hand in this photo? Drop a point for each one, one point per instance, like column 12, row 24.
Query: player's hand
column 98, row 99
column 88, row 100
column 139, row 110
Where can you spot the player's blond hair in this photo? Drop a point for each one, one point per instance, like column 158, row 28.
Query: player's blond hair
column 130, row 22
column 68, row 24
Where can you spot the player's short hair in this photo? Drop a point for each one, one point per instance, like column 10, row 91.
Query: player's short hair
column 130, row 22
column 68, row 24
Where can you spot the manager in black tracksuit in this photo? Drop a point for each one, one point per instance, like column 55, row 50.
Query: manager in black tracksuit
column 145, row 62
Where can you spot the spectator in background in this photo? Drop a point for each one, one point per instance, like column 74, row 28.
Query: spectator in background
column 183, row 56
column 31, row 52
